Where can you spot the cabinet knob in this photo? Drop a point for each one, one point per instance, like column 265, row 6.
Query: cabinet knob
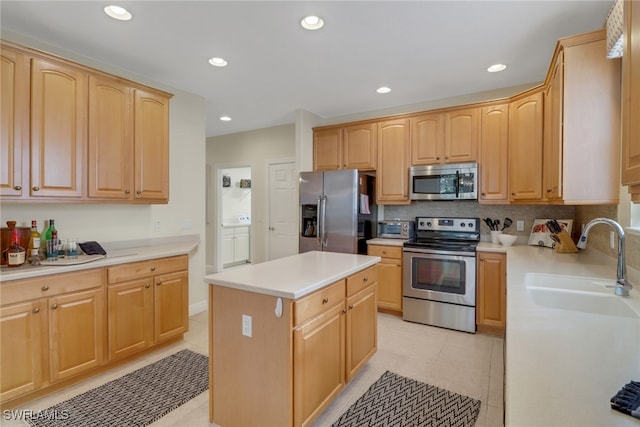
column 484, row 194
column 344, row 311
column 36, row 310
column 446, row 157
column 17, row 187
column 365, row 279
column 159, row 283
column 148, row 285
column 153, row 269
column 45, row 288
column 54, row 306
column 437, row 158
column 482, row 259
column 350, row 306
column 325, row 300
column 127, row 192
column 513, row 194
column 549, row 190
column 384, row 252
column 138, row 192
column 36, row 188
column 399, row 265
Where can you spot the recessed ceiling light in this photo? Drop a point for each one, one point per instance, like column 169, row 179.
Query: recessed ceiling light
column 312, row 22
column 496, row 67
column 218, row 62
column 383, row 89
column 117, row 12
column 225, row 118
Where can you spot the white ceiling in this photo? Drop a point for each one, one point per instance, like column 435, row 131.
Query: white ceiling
column 422, row 50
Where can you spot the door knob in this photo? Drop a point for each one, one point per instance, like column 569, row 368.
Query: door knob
column 271, row 228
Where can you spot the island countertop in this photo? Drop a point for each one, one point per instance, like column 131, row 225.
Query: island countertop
column 294, row 276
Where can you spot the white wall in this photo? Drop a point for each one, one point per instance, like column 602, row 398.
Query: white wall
column 184, row 214
column 253, row 148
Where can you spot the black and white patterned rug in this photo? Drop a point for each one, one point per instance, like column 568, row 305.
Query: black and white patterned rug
column 136, row 399
column 397, row 401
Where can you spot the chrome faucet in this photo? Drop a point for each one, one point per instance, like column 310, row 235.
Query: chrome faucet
column 622, row 287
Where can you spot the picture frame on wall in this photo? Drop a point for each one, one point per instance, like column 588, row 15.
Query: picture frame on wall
column 540, row 234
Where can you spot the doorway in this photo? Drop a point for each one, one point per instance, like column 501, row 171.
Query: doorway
column 234, row 216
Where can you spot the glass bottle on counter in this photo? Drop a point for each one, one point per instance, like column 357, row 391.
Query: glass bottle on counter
column 34, row 240
column 48, row 236
column 16, row 255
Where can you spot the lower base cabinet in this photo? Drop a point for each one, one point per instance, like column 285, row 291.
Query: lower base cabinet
column 389, row 276
column 491, row 312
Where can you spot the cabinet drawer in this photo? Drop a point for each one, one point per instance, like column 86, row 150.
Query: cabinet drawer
column 319, row 301
column 137, row 270
column 43, row 287
column 362, row 279
column 385, row 251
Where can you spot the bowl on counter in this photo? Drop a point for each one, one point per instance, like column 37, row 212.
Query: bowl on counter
column 507, row 239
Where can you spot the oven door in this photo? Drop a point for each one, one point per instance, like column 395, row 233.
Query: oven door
column 444, row 277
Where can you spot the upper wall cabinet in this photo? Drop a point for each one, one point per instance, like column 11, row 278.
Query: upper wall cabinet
column 327, row 149
column 525, row 147
column 92, row 136
column 582, row 123
column 631, row 100
column 446, row 137
column 349, row 147
column 494, row 155
column 392, row 185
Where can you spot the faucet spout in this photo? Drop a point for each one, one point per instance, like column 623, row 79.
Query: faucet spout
column 622, row 286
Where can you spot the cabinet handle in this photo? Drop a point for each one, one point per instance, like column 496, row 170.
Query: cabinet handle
column 482, row 259
column 36, row 188
column 153, row 269
column 549, row 190
column 138, row 192
column 399, row 265
column 159, row 283
column 148, row 285
column 344, row 311
column 350, row 306
column 325, row 300
column 365, row 279
column 483, row 194
column 437, row 158
column 45, row 288
column 17, row 187
column 54, row 306
column 36, row 310
column 384, row 252
column 513, row 194
column 127, row 192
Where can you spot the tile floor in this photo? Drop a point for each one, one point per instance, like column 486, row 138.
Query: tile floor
column 469, row 364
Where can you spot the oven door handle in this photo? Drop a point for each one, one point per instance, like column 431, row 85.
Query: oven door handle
column 457, row 184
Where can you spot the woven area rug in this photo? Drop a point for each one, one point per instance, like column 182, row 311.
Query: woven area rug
column 136, row 399
column 394, row 400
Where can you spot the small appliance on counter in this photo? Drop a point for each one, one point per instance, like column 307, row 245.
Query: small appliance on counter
column 396, row 229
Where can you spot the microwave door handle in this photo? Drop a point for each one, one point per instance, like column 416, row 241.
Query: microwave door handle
column 457, row 184
column 324, row 220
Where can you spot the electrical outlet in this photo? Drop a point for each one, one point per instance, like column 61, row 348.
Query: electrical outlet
column 612, row 240
column 156, row 226
column 246, row 325
column 519, row 225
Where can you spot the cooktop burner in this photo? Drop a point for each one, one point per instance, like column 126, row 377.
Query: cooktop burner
column 446, row 234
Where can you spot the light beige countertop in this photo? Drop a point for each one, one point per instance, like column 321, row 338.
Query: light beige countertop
column 562, row 365
column 294, row 276
column 117, row 253
column 387, row 242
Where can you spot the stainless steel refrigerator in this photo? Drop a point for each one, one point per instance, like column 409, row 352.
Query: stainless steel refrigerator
column 336, row 210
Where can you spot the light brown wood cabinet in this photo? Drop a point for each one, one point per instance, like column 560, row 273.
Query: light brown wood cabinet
column 72, row 133
column 327, row 149
column 51, row 329
column 389, row 276
column 293, row 365
column 491, row 312
column 392, row 174
column 631, row 100
column 348, row 147
column 447, row 137
column 494, row 155
column 148, row 304
column 583, row 87
column 525, row 147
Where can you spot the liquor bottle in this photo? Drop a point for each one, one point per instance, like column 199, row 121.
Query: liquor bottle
column 48, row 236
column 16, row 255
column 34, row 241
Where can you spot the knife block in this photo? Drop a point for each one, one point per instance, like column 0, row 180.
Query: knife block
column 565, row 244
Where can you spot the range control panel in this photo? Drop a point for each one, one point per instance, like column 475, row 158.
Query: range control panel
column 448, row 224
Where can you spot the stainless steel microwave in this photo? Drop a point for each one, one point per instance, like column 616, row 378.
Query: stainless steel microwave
column 455, row 181
column 396, row 229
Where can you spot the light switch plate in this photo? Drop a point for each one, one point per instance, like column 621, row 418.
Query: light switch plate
column 246, row 325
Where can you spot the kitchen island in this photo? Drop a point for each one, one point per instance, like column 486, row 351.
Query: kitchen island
column 285, row 336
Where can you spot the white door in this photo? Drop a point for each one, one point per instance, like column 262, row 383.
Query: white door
column 283, row 210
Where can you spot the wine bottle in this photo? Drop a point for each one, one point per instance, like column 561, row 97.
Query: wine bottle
column 48, row 236
column 16, row 255
column 34, row 241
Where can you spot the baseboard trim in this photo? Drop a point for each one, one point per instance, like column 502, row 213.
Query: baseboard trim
column 198, row 307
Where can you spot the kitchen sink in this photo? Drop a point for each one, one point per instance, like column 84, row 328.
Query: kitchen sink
column 575, row 293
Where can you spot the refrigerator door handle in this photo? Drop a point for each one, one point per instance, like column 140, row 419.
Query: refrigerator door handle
column 320, row 224
column 323, row 221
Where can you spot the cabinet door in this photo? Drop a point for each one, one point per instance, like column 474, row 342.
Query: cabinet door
column 171, row 311
column 76, row 333
column 58, row 129
column 228, row 246
column 318, row 364
column 362, row 330
column 492, row 297
column 392, row 182
column 553, row 133
column 427, row 139
column 631, row 99
column 14, row 116
column 327, row 149
column 462, row 135
column 151, row 141
column 390, row 284
column 130, row 317
column 494, row 154
column 525, row 148
column 241, row 244
column 110, row 139
column 22, row 360
column 359, row 146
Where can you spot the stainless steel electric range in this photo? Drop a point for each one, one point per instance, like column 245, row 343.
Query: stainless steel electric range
column 439, row 277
